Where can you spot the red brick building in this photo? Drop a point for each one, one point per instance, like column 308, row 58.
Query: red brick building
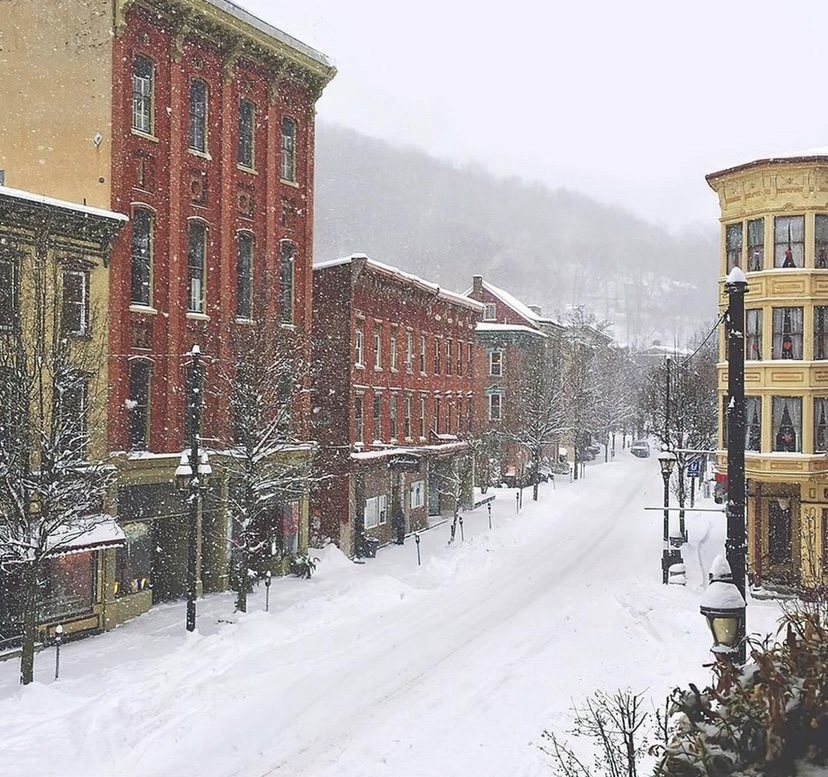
column 196, row 119
column 395, row 361
column 513, row 339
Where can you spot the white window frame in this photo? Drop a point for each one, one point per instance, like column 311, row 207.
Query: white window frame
column 496, row 363
column 375, row 511
column 416, row 494
column 499, row 403
column 393, row 347
column 490, row 312
column 377, row 346
column 359, row 344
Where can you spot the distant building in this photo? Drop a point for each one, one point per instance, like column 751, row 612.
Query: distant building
column 393, row 400
column 196, row 119
column 774, row 226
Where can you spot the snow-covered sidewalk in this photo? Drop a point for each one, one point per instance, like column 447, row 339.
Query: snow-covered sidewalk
column 387, row 667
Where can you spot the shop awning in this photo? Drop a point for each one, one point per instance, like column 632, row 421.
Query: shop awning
column 96, row 533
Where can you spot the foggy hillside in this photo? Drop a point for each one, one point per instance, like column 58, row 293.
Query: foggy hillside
column 550, row 247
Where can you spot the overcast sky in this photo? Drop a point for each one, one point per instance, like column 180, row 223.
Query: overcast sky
column 629, row 102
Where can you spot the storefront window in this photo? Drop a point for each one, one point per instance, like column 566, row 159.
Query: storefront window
column 67, row 587
column 134, row 561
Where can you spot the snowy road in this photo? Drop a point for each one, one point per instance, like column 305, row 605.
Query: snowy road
column 387, row 668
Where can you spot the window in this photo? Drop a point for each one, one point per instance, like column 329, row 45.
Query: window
column 377, row 417
column 787, row 424
column 459, row 358
column 820, row 332
column 392, row 414
column 138, row 403
column 787, row 333
column 142, row 245
column 789, row 241
column 133, row 563
column 247, row 124
column 142, row 94
column 244, row 275
column 74, row 319
column 438, row 351
column 449, row 358
column 288, row 171
column 71, row 406
column 198, row 116
column 409, row 351
column 820, row 424
column 490, row 312
column 393, row 348
column 469, row 360
column 8, row 293
column 416, row 494
column 196, row 266
column 422, row 422
column 359, row 419
column 733, row 240
column 756, row 245
column 821, row 242
column 286, row 264
column 408, row 418
column 435, row 424
column 377, row 345
column 359, row 344
column 753, row 421
column 495, row 407
column 375, row 509
column 495, row 363
column 422, row 354
column 753, row 340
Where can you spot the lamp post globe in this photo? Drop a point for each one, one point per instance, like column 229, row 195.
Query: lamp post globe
column 724, row 607
column 667, row 460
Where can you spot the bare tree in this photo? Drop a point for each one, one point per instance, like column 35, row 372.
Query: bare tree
column 615, row 403
column 51, row 428
column 542, row 414
column 267, row 466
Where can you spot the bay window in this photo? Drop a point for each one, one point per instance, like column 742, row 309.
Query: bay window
column 789, row 241
column 756, row 245
column 820, row 332
column 753, row 334
column 787, row 333
column 786, row 424
column 733, row 241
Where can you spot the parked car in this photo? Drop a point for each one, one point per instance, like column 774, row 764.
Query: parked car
column 640, row 448
column 544, row 474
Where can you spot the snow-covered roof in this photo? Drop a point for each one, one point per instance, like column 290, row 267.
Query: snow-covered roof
column 513, row 302
column 488, row 326
column 20, row 194
column 268, row 29
column 450, row 296
column 101, row 532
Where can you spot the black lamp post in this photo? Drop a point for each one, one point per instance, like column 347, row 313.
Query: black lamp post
column 736, row 288
column 192, row 476
column 667, row 460
column 724, row 607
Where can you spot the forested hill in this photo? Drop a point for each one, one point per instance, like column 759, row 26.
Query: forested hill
column 550, row 247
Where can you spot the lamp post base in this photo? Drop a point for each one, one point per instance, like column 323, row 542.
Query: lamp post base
column 668, row 558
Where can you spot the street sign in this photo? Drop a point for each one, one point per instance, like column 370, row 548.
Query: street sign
column 694, row 468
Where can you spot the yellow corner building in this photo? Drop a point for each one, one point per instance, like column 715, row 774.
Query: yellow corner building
column 774, row 226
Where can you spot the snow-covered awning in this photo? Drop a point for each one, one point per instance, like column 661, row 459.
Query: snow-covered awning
column 102, row 531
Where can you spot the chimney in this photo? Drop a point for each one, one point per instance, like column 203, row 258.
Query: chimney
column 536, row 309
column 477, row 284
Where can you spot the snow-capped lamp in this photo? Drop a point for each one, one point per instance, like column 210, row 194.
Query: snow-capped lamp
column 184, row 472
column 724, row 607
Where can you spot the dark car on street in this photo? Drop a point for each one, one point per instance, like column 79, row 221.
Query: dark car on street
column 640, row 448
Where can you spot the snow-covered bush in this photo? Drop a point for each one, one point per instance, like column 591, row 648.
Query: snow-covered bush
column 304, row 566
column 768, row 717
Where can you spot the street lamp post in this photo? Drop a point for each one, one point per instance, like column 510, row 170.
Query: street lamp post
column 736, row 288
column 667, row 460
column 192, row 475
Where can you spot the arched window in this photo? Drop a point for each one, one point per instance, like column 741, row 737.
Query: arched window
column 286, row 263
column 196, row 266
column 143, row 87
column 142, row 245
column 138, row 403
column 244, row 275
column 288, row 171
column 198, row 116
